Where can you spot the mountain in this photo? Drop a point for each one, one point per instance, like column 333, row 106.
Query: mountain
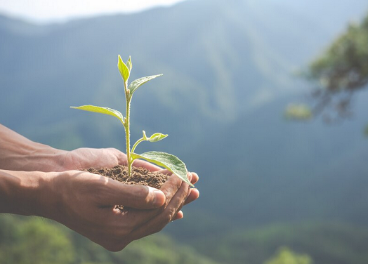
column 272, row 170
column 229, row 71
column 229, row 57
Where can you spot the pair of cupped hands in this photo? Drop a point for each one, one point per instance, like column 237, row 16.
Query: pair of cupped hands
column 88, row 200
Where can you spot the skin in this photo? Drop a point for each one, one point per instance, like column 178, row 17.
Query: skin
column 36, row 179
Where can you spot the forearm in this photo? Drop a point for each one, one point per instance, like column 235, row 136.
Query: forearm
column 24, row 193
column 20, row 153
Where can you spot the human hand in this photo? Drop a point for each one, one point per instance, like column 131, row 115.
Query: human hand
column 83, row 158
column 86, row 202
column 21, row 154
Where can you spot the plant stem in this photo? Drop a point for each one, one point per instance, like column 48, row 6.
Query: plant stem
column 136, row 144
column 127, row 129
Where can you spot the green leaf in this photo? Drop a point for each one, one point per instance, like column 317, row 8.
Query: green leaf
column 123, row 68
column 102, row 110
column 298, row 112
column 129, row 64
column 168, row 161
column 136, row 83
column 155, row 137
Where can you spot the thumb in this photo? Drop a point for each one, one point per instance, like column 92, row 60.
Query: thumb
column 133, row 196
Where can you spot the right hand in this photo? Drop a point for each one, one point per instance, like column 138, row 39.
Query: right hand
column 85, row 203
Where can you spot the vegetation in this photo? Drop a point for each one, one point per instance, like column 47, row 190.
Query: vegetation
column 170, row 162
column 33, row 241
column 286, row 256
column 25, row 240
column 341, row 70
column 328, row 243
column 227, row 65
column 298, row 111
column 267, row 156
column 338, row 74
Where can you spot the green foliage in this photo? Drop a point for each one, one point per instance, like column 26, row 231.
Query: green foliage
column 298, row 112
column 134, row 85
column 160, row 250
column 123, row 68
column 300, row 176
column 25, row 240
column 326, row 243
column 366, row 131
column 168, row 161
column 35, row 241
column 101, row 110
column 339, row 72
column 154, row 138
column 344, row 66
column 286, row 256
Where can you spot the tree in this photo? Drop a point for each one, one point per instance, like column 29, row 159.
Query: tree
column 286, row 256
column 338, row 74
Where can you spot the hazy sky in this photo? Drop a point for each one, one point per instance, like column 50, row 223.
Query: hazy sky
column 60, row 10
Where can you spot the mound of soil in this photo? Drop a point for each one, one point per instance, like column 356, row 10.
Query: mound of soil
column 139, row 175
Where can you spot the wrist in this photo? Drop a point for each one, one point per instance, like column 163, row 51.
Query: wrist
column 25, row 193
column 21, row 154
column 44, row 158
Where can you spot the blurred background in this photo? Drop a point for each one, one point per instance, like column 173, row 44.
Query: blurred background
column 266, row 100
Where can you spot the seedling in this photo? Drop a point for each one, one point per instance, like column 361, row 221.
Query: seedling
column 168, row 161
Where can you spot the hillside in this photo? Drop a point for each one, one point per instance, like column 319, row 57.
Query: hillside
column 36, row 240
column 229, row 71
column 332, row 243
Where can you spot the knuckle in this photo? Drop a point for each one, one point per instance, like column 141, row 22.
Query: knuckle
column 167, row 219
column 172, row 213
column 112, row 149
column 176, row 180
column 169, row 215
column 142, row 192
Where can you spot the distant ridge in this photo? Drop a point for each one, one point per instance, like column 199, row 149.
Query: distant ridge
column 228, row 73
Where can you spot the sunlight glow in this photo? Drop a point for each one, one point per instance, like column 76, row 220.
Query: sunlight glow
column 43, row 11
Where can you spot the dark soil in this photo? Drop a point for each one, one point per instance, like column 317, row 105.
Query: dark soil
column 139, row 176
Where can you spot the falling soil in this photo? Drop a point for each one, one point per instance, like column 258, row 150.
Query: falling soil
column 139, row 175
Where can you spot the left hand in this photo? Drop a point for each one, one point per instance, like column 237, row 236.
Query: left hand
column 84, row 158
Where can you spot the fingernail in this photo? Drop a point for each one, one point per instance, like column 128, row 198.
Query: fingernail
column 158, row 196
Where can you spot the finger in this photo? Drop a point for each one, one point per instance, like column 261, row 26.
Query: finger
column 167, row 215
column 122, row 157
column 179, row 215
column 146, row 165
column 193, row 195
column 133, row 196
column 170, row 187
column 195, row 177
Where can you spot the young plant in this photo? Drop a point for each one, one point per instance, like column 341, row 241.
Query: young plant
column 168, row 161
